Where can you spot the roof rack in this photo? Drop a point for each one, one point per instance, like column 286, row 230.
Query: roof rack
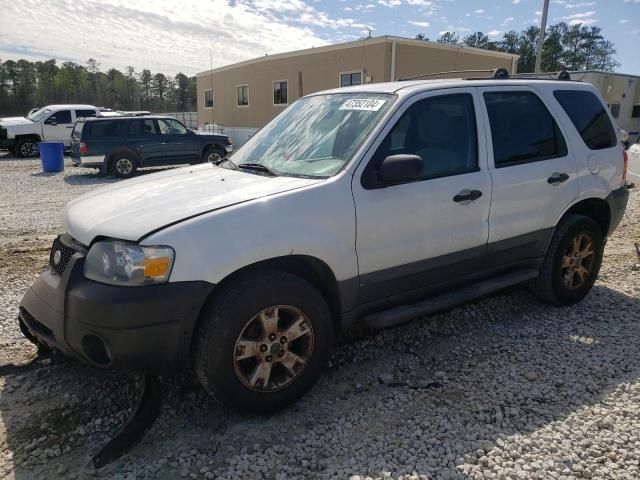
column 499, row 74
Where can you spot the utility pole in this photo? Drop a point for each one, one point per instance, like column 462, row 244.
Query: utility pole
column 213, row 101
column 543, row 26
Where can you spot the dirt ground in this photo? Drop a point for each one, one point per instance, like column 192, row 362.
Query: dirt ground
column 502, row 388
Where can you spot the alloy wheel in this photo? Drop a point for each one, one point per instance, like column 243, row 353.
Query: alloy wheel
column 578, row 261
column 273, row 348
column 214, row 157
column 124, row 166
column 29, row 150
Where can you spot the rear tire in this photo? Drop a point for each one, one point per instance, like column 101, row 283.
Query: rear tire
column 123, row 165
column 26, row 148
column 244, row 366
column 572, row 262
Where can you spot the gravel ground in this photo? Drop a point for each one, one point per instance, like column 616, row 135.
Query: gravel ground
column 504, row 388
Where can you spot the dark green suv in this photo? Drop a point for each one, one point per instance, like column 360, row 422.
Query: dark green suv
column 121, row 145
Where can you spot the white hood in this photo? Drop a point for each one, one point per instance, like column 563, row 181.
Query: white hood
column 130, row 209
column 15, row 121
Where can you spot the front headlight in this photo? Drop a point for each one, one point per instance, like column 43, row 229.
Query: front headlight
column 122, row 263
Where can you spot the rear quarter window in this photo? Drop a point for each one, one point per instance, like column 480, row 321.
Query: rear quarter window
column 103, row 129
column 589, row 117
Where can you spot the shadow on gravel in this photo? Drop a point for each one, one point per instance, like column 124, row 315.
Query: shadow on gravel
column 514, row 366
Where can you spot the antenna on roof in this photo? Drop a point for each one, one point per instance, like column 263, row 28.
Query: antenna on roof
column 369, row 29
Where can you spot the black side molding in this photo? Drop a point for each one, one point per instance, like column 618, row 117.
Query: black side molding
column 404, row 313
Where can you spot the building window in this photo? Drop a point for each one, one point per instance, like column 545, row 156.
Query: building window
column 280, row 94
column 635, row 113
column 242, row 95
column 615, row 110
column 208, row 98
column 350, row 78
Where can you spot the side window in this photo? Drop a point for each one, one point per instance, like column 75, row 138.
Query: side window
column 105, row 128
column 85, row 113
column 171, row 127
column 142, row 127
column 60, row 118
column 522, row 129
column 589, row 117
column 442, row 130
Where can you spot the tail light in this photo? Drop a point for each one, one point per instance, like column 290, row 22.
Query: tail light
column 625, row 166
column 85, row 149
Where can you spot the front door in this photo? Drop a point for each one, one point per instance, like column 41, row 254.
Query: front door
column 143, row 136
column 58, row 126
column 178, row 143
column 419, row 235
column 534, row 174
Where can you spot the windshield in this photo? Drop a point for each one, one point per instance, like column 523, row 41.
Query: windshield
column 316, row 136
column 39, row 114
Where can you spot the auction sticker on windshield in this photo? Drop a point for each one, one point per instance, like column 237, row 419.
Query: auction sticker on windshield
column 366, row 104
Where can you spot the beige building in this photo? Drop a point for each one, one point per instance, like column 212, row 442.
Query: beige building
column 622, row 94
column 244, row 96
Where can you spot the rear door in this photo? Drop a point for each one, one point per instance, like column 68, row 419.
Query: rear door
column 178, row 143
column 58, row 126
column 534, row 174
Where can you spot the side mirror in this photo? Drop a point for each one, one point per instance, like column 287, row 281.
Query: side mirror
column 51, row 121
column 190, row 132
column 400, row 168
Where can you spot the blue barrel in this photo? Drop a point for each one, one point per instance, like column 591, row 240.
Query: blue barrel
column 51, row 156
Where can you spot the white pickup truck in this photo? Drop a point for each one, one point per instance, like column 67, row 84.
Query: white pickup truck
column 52, row 123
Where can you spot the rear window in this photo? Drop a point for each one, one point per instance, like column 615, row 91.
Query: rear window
column 589, row 117
column 103, row 128
column 522, row 129
column 85, row 113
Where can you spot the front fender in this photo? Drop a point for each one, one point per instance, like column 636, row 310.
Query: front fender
column 317, row 221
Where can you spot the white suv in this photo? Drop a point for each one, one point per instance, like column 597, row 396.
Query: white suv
column 52, row 123
column 378, row 203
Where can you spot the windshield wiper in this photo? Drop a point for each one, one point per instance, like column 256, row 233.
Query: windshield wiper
column 261, row 168
column 229, row 161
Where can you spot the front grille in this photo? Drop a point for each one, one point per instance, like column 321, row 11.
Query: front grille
column 60, row 256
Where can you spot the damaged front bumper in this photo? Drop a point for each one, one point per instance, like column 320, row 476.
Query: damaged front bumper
column 145, row 329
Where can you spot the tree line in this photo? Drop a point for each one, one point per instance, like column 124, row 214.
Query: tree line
column 25, row 85
column 565, row 47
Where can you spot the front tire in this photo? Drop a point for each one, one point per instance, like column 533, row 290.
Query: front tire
column 26, row 148
column 212, row 154
column 572, row 262
column 263, row 341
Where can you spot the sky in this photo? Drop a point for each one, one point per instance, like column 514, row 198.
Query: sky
column 188, row 35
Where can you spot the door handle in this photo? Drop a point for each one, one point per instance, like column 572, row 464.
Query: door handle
column 466, row 196
column 70, row 126
column 557, row 178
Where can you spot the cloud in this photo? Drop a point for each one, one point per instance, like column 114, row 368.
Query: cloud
column 389, row 3
column 165, row 35
column 494, row 33
column 479, row 11
column 579, row 5
column 419, row 24
column 507, row 21
column 515, row 2
column 584, row 18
